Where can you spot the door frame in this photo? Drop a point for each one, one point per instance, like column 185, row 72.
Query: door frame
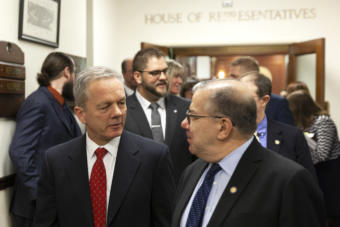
column 293, row 50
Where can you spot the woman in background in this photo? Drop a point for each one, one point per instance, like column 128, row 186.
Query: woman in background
column 175, row 73
column 319, row 126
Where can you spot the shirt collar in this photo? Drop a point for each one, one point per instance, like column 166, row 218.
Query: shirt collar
column 230, row 162
column 56, row 95
column 111, row 147
column 145, row 103
column 262, row 127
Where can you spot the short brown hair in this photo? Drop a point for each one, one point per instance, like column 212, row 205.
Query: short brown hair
column 247, row 63
column 141, row 58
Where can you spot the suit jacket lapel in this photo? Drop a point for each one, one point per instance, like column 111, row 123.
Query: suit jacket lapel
column 125, row 170
column 185, row 196
column 139, row 117
column 244, row 171
column 171, row 118
column 274, row 137
column 79, row 178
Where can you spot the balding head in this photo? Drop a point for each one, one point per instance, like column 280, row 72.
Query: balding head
column 233, row 99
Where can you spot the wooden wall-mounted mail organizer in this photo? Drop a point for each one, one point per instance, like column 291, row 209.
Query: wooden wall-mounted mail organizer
column 12, row 79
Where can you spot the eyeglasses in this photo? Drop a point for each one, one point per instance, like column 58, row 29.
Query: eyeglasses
column 190, row 115
column 155, row 72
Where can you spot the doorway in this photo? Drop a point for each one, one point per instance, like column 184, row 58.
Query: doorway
column 287, row 62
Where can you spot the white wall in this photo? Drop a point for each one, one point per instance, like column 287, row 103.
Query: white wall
column 308, row 19
column 119, row 27
column 72, row 40
column 105, row 32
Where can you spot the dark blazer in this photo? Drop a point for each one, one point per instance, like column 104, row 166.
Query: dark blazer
column 278, row 110
column 290, row 142
column 272, row 191
column 40, row 124
column 141, row 193
column 175, row 136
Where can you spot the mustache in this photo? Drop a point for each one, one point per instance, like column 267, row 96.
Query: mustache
column 162, row 83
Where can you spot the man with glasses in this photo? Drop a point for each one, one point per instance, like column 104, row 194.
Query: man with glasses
column 235, row 181
column 152, row 112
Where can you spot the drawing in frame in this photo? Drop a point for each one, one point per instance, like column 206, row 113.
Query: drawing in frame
column 39, row 21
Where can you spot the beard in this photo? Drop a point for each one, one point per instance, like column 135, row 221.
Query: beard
column 67, row 91
column 153, row 88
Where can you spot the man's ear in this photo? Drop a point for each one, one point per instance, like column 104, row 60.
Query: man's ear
column 266, row 99
column 225, row 128
column 137, row 76
column 81, row 114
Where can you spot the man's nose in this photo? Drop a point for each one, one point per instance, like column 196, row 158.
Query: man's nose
column 163, row 76
column 185, row 123
column 116, row 111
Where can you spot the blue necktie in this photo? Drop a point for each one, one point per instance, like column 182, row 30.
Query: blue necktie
column 196, row 213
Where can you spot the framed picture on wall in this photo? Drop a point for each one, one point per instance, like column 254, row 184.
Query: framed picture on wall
column 39, row 21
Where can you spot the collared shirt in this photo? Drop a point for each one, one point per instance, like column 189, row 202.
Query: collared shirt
column 228, row 165
column 145, row 105
column 56, row 95
column 262, row 131
column 109, row 160
column 128, row 90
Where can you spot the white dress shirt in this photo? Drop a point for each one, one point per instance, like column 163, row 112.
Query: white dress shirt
column 221, row 180
column 109, row 160
column 146, row 108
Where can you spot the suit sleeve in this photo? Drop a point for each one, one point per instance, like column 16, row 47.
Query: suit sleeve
column 304, row 157
column 23, row 149
column 302, row 203
column 163, row 192
column 46, row 211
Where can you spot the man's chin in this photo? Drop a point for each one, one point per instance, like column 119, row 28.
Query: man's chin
column 162, row 93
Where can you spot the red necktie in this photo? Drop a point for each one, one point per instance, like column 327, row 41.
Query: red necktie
column 98, row 189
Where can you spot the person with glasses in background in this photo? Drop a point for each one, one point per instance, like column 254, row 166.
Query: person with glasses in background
column 235, row 181
column 154, row 113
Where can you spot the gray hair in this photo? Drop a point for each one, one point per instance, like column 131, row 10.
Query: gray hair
column 228, row 100
column 88, row 75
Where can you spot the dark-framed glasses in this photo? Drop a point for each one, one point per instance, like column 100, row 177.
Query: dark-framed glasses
column 191, row 115
column 155, row 72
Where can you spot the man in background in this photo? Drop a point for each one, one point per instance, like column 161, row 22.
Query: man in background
column 44, row 120
column 284, row 139
column 277, row 108
column 235, row 181
column 155, row 114
column 130, row 84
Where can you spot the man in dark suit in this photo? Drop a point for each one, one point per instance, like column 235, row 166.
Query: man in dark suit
column 44, row 120
column 236, row 182
column 108, row 177
column 284, row 139
column 277, row 108
column 150, row 68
